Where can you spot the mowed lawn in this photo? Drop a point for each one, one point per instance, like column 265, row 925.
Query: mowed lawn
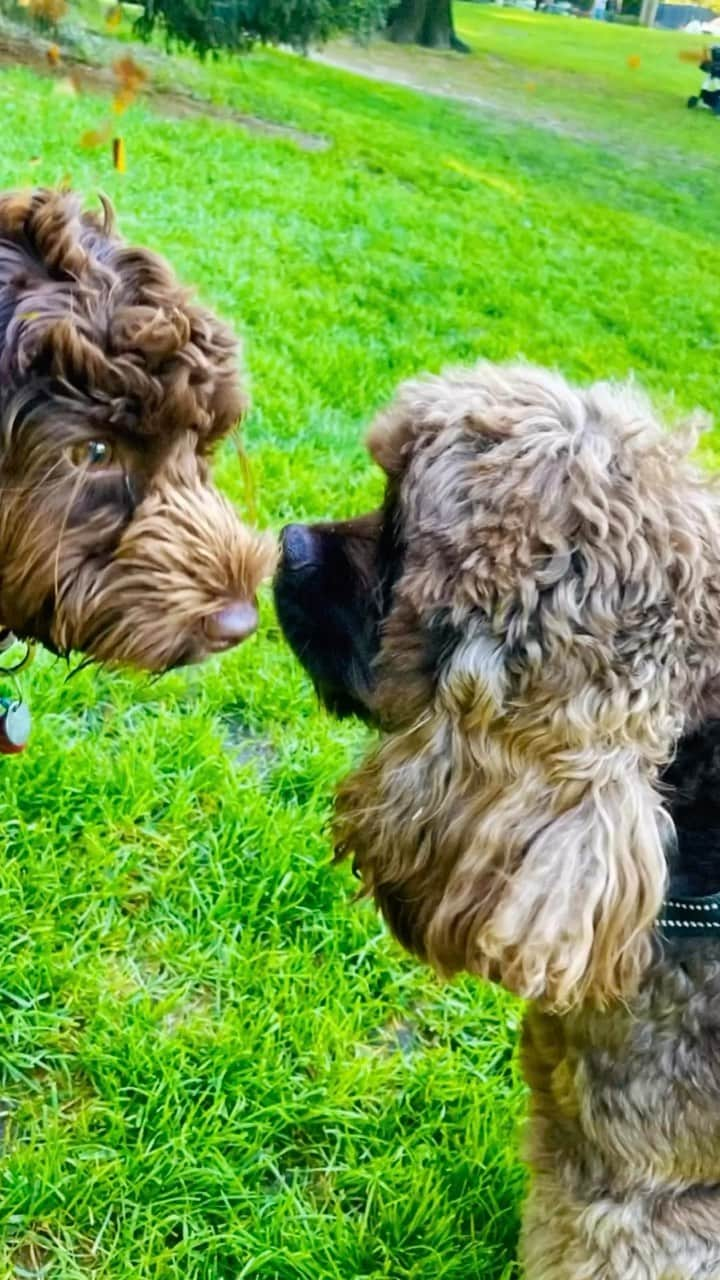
column 212, row 1062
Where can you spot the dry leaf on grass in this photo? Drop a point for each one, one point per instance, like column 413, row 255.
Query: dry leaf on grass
column 48, row 10
column 122, row 101
column 129, row 74
column 118, row 154
column 95, row 137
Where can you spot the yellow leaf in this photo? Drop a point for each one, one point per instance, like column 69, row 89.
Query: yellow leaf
column 49, row 10
column 119, row 157
column 122, row 100
column 53, row 55
column 94, row 137
column 633, row 61
column 113, row 17
column 128, row 74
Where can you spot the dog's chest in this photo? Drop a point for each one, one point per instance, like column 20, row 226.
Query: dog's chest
column 632, row 1096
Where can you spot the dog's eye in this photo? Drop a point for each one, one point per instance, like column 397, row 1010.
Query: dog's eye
column 92, row 455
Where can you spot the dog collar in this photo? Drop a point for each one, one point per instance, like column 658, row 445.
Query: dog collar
column 15, row 720
column 683, row 917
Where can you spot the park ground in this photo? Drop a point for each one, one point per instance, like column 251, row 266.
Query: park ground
column 213, row 1064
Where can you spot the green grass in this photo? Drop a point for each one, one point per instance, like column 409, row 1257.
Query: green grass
column 212, row 1063
column 622, row 84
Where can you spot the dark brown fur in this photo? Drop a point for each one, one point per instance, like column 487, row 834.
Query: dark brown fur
column 131, row 558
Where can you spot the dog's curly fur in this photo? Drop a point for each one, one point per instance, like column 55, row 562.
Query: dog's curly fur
column 533, row 621
column 114, row 387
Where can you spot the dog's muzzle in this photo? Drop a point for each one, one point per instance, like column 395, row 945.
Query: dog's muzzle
column 231, row 625
column 300, row 548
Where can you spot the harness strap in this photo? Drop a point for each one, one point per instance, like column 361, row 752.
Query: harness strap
column 690, row 917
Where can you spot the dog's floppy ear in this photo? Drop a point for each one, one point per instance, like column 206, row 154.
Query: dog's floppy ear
column 545, row 875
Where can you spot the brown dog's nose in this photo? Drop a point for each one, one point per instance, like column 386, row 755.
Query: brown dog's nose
column 299, row 546
column 232, row 624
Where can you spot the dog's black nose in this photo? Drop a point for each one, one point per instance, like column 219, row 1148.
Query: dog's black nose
column 300, row 546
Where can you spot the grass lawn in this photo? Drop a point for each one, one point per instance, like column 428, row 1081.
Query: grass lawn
column 617, row 85
column 212, row 1063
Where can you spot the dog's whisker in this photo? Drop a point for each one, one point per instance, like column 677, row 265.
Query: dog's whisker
column 61, row 533
column 80, row 666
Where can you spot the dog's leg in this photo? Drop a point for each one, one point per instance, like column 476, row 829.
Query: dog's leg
column 550, row 1243
column 553, row 1244
column 615, row 1192
column 566, row 1240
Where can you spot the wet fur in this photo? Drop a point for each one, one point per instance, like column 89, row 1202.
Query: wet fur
column 549, row 636
column 99, row 342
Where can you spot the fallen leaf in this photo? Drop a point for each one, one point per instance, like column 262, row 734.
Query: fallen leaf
column 53, row 55
column 113, row 17
column 118, row 154
column 95, row 137
column 123, row 100
column 49, row 10
column 696, row 56
column 633, row 61
column 128, row 74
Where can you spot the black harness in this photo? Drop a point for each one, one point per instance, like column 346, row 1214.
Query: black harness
column 692, row 780
column 690, row 917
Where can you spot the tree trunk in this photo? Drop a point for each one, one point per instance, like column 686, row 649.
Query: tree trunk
column 406, row 20
column 647, row 12
column 425, row 22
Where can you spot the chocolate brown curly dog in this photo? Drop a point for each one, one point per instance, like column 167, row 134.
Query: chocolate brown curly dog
column 114, row 387
column 532, row 622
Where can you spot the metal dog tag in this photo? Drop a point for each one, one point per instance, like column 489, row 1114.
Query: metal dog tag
column 14, row 726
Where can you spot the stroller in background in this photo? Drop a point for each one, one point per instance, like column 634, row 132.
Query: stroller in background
column 709, row 95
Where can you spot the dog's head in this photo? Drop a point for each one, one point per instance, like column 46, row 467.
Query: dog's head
column 114, row 387
column 532, row 621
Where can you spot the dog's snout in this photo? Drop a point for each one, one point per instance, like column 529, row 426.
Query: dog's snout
column 233, row 624
column 300, row 547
